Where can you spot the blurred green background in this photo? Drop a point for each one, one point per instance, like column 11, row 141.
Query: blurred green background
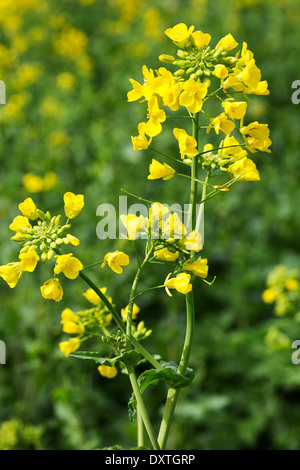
column 66, row 65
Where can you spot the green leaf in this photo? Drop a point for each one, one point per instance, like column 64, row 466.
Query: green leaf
column 129, row 357
column 151, row 376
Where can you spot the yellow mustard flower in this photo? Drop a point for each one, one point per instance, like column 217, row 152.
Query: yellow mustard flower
column 19, row 222
column 269, row 295
column 141, row 142
column 107, row 371
column 187, row 143
column 68, row 315
column 137, row 91
column 11, row 273
column 230, row 147
column 69, row 265
column 181, row 283
column 115, row 260
column 245, row 169
column 92, row 297
column 52, row 289
column 220, row 71
column 135, row 311
column 192, row 242
column 171, row 96
column 29, row 260
column 227, row 43
column 291, row 284
column 234, row 109
column 192, row 95
column 73, row 240
column 67, row 347
column 73, row 204
column 133, row 225
column 221, row 123
column 256, row 137
column 201, row 39
column 250, row 75
column 164, row 254
column 160, row 170
column 155, row 117
column 199, row 267
column 28, row 209
column 180, row 34
column 72, row 327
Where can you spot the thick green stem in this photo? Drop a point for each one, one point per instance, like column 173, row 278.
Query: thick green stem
column 173, row 393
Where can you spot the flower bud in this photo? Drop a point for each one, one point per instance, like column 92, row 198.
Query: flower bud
column 43, row 257
column 50, row 254
column 168, row 59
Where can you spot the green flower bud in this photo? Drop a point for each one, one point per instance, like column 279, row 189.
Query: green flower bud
column 50, row 254
column 53, row 245
column 168, row 59
column 43, row 257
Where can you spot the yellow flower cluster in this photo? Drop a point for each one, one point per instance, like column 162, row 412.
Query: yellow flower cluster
column 283, row 290
column 199, row 64
column 41, row 242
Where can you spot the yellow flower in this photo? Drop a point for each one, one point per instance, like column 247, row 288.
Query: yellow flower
column 115, row 260
column 28, row 209
column 137, row 91
column 67, row 347
column 107, row 371
column 192, row 95
column 230, row 148
column 163, row 254
column 73, row 240
column 72, row 327
column 187, row 143
column 155, row 117
column 171, row 96
column 180, row 34
column 33, row 183
column 227, row 43
column 221, row 123
column 19, row 222
column 52, row 289
column 11, row 273
column 160, row 170
column 199, row 267
column 291, row 284
column 246, row 169
column 135, row 311
column 235, row 109
column 173, row 227
column 269, row 295
column 69, row 265
column 181, row 283
column 29, row 260
column 66, row 80
column 68, row 315
column 256, row 137
column 192, row 242
column 133, row 225
column 73, row 204
column 92, row 297
column 141, row 142
column 220, row 71
column 250, row 75
column 201, row 39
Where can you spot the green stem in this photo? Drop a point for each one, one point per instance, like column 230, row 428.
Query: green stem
column 119, row 322
column 140, row 429
column 173, row 393
column 142, row 408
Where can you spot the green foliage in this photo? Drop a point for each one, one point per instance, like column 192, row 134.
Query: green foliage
column 245, row 395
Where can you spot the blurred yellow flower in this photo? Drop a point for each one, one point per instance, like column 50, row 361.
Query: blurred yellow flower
column 291, row 284
column 66, row 80
column 269, row 295
column 245, row 169
column 107, row 371
column 67, row 347
column 92, row 297
column 135, row 311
